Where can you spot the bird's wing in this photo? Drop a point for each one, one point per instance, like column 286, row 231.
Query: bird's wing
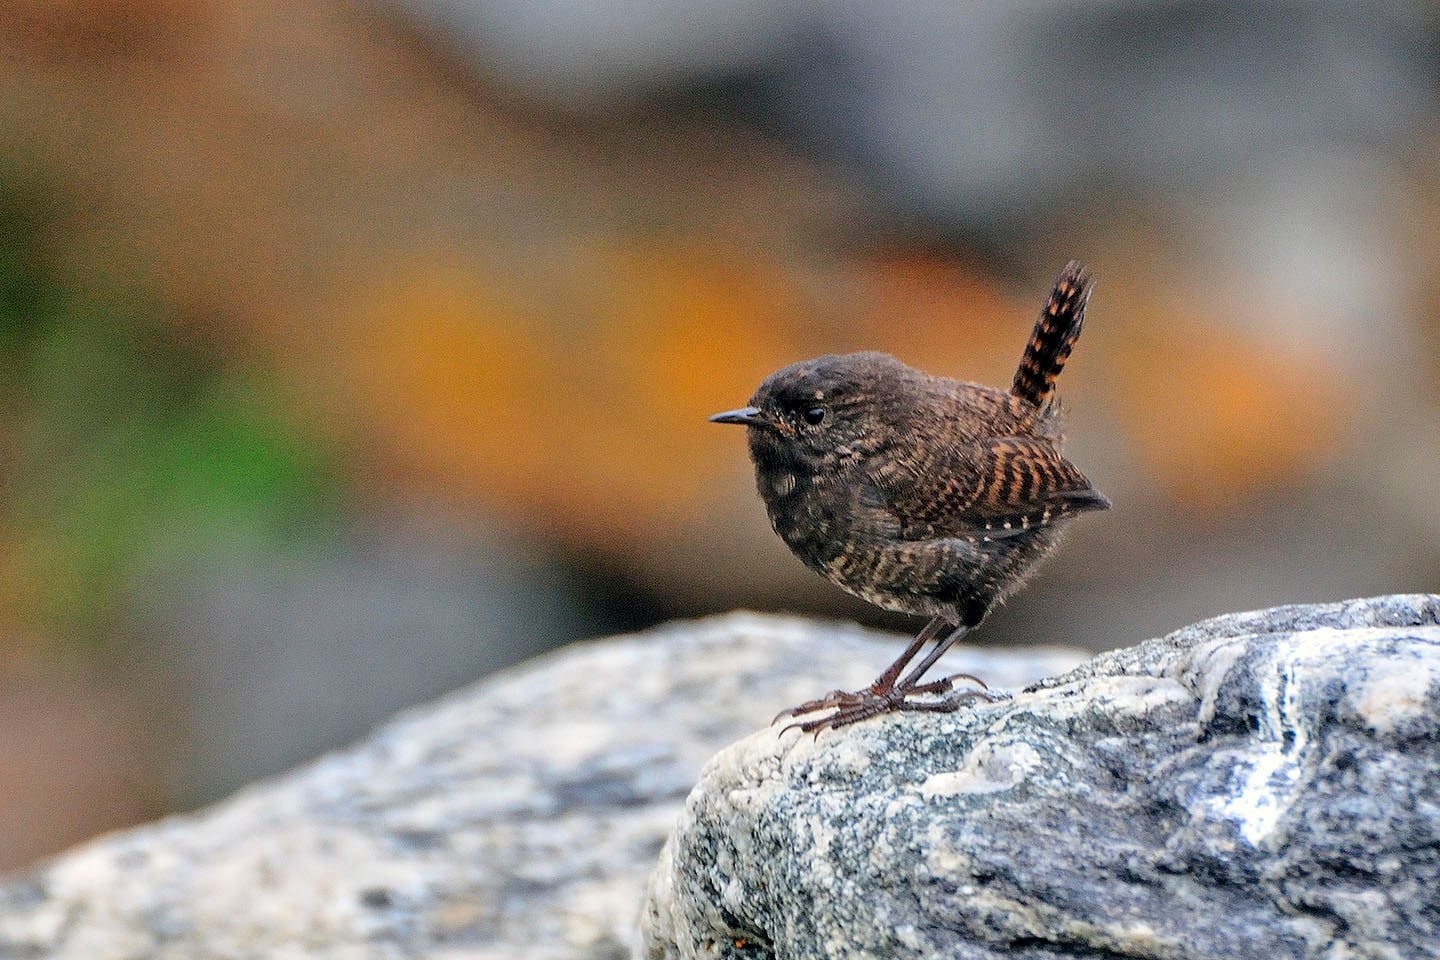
column 1000, row 486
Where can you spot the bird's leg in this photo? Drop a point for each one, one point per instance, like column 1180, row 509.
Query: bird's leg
column 913, row 677
column 882, row 684
column 886, row 695
column 886, row 681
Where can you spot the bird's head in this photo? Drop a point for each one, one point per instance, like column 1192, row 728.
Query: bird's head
column 821, row 410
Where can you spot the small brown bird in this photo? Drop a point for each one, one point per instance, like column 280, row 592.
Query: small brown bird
column 923, row 494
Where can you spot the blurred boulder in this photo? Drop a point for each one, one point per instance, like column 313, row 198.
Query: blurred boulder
column 989, row 113
column 273, row 657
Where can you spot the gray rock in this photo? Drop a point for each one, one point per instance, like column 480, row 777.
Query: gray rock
column 516, row 818
column 1259, row 785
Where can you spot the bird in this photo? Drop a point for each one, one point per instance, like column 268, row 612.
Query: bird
column 922, row 494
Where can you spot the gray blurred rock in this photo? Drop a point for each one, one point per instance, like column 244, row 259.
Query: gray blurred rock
column 271, row 658
column 998, row 111
column 518, row 817
column 1259, row 785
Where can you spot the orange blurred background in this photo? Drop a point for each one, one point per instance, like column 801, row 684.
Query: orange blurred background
column 354, row 350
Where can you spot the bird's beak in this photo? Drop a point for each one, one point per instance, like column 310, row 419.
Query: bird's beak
column 746, row 416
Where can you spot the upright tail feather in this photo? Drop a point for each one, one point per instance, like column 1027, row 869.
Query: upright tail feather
column 1055, row 334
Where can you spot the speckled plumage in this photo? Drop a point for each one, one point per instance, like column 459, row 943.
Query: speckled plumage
column 919, row 493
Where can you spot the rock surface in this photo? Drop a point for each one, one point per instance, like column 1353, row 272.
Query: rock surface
column 517, row 818
column 1259, row 785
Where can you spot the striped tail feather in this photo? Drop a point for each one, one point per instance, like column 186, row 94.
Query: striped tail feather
column 1054, row 337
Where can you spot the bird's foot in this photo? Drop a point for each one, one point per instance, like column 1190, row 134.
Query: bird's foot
column 835, row 698
column 854, row 706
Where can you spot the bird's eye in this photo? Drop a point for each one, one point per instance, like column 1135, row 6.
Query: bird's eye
column 814, row 415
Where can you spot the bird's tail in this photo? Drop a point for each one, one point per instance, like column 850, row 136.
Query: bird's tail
column 1055, row 334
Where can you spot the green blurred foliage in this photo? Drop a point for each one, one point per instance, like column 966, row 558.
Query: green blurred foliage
column 131, row 442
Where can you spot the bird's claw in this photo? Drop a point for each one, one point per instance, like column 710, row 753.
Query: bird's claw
column 835, row 698
column 864, row 704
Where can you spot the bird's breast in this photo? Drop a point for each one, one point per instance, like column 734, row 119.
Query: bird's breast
column 810, row 511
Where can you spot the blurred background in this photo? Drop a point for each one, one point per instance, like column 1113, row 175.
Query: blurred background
column 352, row 350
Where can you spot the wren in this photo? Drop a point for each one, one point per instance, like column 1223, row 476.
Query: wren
column 918, row 493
